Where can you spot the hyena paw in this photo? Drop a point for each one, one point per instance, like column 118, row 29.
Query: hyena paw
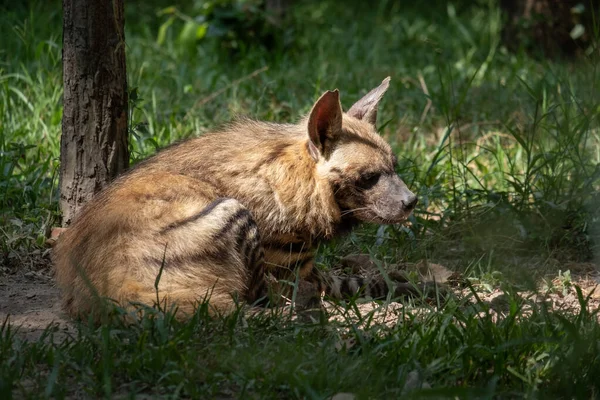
column 308, row 296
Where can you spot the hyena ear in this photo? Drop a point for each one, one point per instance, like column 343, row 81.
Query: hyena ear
column 366, row 108
column 324, row 122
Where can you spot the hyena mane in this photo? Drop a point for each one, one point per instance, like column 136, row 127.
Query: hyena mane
column 216, row 214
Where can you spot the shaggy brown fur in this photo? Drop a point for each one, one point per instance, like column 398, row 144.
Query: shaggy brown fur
column 217, row 212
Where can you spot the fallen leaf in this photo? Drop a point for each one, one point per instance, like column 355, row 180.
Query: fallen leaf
column 343, row 396
column 356, row 262
column 433, row 272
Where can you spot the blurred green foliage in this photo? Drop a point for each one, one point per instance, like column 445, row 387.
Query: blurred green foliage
column 231, row 26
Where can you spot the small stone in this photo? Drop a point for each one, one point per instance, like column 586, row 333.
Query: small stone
column 414, row 381
column 30, row 275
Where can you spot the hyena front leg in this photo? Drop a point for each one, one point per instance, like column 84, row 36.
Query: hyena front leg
column 346, row 286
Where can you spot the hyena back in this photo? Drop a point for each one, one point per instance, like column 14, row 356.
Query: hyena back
column 216, row 214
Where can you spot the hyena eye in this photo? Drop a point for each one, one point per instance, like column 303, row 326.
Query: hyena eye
column 369, row 180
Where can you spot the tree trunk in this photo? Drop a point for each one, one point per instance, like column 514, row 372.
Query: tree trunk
column 549, row 27
column 94, row 144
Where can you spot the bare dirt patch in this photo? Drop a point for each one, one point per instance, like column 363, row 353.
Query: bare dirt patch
column 31, row 302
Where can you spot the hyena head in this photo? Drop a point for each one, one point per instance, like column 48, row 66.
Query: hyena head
column 356, row 161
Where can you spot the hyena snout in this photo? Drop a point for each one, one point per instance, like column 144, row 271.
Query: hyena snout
column 396, row 201
column 410, row 201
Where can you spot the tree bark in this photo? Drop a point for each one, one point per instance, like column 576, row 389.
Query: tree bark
column 94, row 143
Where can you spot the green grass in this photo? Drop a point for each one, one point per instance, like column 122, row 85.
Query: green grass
column 459, row 350
column 503, row 150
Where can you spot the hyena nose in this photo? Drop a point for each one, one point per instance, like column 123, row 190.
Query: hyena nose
column 410, row 202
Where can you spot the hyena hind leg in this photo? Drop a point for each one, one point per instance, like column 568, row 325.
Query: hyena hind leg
column 213, row 254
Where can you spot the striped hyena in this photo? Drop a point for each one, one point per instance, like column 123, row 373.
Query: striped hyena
column 219, row 213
